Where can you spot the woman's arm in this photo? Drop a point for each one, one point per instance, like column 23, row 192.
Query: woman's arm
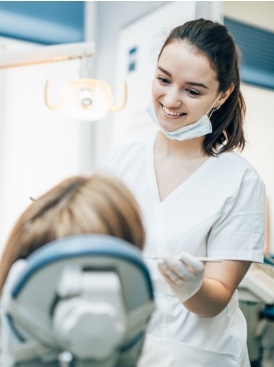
column 239, row 232
column 220, row 282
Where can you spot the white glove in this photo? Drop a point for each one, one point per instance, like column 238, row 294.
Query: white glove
column 184, row 276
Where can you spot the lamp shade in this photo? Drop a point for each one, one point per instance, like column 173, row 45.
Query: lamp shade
column 85, row 99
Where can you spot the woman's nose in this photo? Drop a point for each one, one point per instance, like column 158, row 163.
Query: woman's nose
column 173, row 98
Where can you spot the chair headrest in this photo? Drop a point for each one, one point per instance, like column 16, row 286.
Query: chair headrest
column 90, row 295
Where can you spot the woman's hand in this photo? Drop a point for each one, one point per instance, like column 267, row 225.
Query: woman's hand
column 184, row 276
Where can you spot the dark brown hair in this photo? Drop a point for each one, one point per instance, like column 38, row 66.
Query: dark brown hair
column 213, row 40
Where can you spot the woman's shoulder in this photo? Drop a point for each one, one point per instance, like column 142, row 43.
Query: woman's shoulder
column 128, row 151
column 236, row 161
column 234, row 170
column 235, row 157
column 130, row 147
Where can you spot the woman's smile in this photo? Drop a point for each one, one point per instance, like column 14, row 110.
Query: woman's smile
column 171, row 113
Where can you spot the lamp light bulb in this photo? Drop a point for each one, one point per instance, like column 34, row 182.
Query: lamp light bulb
column 85, row 99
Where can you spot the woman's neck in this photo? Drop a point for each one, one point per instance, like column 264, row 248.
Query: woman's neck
column 179, row 149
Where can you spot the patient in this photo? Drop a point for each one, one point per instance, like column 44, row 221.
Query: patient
column 98, row 204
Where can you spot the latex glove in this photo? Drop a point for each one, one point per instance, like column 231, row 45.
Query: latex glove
column 184, row 276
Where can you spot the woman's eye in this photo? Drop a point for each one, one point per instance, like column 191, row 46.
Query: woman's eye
column 163, row 80
column 192, row 92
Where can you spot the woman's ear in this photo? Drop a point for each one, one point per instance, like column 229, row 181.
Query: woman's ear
column 224, row 95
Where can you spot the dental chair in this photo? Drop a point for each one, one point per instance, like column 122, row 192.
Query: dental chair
column 84, row 300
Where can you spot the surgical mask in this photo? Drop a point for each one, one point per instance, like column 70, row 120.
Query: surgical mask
column 200, row 128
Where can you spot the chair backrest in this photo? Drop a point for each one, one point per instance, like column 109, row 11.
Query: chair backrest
column 84, row 296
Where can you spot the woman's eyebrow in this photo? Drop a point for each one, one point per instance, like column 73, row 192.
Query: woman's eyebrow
column 164, row 71
column 189, row 83
column 197, row 84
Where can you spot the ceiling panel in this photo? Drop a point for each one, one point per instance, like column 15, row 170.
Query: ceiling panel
column 45, row 22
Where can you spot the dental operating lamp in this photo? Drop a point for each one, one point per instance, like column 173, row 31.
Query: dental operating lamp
column 81, row 99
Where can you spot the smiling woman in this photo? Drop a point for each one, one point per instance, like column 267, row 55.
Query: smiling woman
column 185, row 96
column 195, row 195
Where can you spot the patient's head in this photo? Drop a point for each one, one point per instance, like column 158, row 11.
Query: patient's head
column 98, row 204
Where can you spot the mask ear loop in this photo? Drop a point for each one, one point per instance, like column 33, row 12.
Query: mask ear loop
column 213, row 110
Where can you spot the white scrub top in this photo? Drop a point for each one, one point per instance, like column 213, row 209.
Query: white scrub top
column 219, row 211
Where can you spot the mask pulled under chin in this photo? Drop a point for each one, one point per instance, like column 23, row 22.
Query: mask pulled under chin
column 200, row 128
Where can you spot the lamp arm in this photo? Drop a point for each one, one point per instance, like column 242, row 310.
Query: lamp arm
column 124, row 100
column 48, row 104
column 45, row 54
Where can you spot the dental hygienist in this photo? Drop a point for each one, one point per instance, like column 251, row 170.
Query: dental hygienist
column 199, row 199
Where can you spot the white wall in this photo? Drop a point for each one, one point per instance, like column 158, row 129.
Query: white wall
column 39, row 147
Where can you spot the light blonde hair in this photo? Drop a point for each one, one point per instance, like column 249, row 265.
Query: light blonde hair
column 98, row 204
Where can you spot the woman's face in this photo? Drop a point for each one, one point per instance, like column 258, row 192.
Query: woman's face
column 185, row 86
